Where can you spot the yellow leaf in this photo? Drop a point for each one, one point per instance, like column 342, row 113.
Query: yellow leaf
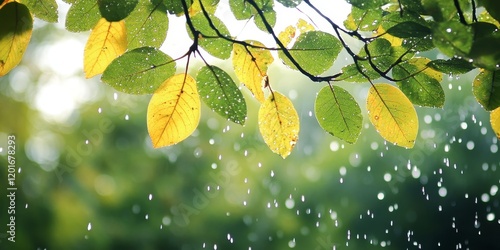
column 107, row 41
column 392, row 114
column 395, row 41
column 15, row 34
column 495, row 121
column 287, row 35
column 174, row 111
column 290, row 32
column 279, row 124
column 304, row 26
column 250, row 66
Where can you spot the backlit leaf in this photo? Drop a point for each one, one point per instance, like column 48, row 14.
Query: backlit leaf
column 139, row 71
column 279, row 124
column 82, row 15
column 338, row 113
column 495, row 121
column 315, row 51
column 250, row 66
column 15, row 34
column 486, row 89
column 269, row 14
column 209, row 5
column 241, row 9
column 420, row 83
column 106, row 42
column 147, row 25
column 221, row 94
column 43, row 9
column 392, row 114
column 350, row 73
column 208, row 39
column 384, row 54
column 363, row 20
column 173, row 111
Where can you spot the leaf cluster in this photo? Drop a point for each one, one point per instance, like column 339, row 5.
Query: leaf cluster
column 126, row 36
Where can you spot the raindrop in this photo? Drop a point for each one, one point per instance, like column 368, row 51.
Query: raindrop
column 126, row 117
column 334, row 146
column 380, row 196
column 150, row 197
column 493, row 190
column 470, row 145
column 289, row 203
column 427, row 119
column 442, row 191
column 485, row 197
column 89, row 226
column 494, row 148
column 490, row 216
column 463, row 125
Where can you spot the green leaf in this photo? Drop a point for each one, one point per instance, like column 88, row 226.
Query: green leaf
column 492, row 8
column 173, row 7
column 451, row 66
column 241, row 9
column 443, row 11
column 350, row 73
column 363, row 20
column 210, row 6
column 15, row 35
column 486, row 89
column 139, row 71
column 409, row 29
column 270, row 16
column 413, row 5
column 315, row 51
column 383, row 55
column 364, row 4
column 116, row 10
column 484, row 51
column 208, row 39
column 419, row 83
column 290, row 3
column 453, row 38
column 43, row 9
column 82, row 16
column 219, row 92
column 147, row 25
column 338, row 113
